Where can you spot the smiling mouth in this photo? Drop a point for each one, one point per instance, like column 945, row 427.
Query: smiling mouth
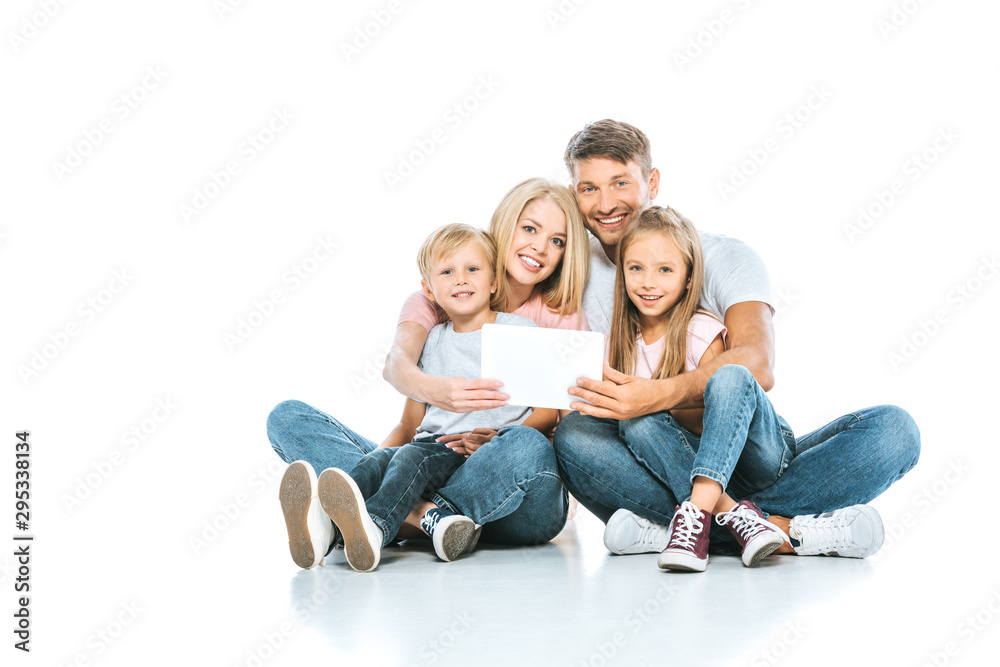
column 462, row 295
column 650, row 299
column 533, row 263
column 611, row 221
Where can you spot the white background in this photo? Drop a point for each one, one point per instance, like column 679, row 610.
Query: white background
column 846, row 303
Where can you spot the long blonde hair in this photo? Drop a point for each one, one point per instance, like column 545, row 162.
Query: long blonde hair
column 625, row 319
column 563, row 290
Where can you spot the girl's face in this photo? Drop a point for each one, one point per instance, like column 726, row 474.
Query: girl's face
column 538, row 244
column 656, row 274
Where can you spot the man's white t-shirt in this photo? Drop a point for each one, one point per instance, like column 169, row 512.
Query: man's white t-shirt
column 734, row 273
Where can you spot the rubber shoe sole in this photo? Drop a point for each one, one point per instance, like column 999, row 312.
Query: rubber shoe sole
column 681, row 561
column 297, row 493
column 342, row 501
column 454, row 536
column 761, row 547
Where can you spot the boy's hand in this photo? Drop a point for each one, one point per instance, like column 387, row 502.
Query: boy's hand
column 455, row 442
column 477, row 438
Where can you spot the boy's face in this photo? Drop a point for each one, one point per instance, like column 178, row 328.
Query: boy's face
column 610, row 194
column 462, row 282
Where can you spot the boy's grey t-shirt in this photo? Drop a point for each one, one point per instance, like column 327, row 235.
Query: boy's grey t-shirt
column 734, row 273
column 447, row 353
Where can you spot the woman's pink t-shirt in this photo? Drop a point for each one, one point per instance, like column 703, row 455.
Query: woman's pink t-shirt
column 420, row 309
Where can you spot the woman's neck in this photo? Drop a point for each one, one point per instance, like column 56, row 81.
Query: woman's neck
column 519, row 294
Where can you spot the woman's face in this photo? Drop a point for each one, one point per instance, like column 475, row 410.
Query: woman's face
column 538, row 244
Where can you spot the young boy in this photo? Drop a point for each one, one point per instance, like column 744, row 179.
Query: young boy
column 371, row 502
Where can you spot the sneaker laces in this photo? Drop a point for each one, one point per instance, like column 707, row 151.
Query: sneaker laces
column 747, row 522
column 686, row 527
column 652, row 534
column 431, row 518
column 831, row 533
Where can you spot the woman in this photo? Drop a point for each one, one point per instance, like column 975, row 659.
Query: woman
column 542, row 269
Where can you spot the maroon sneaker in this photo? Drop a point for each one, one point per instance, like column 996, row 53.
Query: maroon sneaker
column 687, row 547
column 757, row 537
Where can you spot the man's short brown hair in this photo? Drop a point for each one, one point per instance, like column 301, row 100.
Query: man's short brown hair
column 610, row 139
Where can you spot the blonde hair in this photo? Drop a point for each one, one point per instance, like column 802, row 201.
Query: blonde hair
column 625, row 319
column 444, row 241
column 563, row 290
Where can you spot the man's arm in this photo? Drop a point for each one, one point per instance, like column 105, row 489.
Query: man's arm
column 453, row 394
column 619, row 396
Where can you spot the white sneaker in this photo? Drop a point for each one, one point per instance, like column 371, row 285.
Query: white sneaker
column 629, row 533
column 453, row 535
column 852, row 532
column 342, row 501
column 310, row 531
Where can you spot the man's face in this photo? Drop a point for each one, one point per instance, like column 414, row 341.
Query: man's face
column 610, row 194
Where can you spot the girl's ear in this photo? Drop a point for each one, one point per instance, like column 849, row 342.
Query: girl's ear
column 427, row 290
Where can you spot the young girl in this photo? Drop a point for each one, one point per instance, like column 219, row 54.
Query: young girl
column 656, row 332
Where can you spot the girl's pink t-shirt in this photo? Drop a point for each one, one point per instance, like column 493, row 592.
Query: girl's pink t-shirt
column 701, row 331
column 420, row 309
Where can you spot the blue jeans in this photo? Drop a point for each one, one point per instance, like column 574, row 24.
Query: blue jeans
column 510, row 485
column 392, row 480
column 849, row 461
column 744, row 446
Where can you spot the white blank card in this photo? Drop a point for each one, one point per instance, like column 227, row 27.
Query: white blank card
column 538, row 365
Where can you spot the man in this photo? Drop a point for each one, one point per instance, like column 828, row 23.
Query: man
column 845, row 463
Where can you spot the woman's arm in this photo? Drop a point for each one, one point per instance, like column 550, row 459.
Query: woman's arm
column 413, row 414
column 454, row 394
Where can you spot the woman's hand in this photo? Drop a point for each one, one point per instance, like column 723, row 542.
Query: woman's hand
column 456, row 394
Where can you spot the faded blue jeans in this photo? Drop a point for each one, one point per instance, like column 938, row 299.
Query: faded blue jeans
column 849, row 461
column 511, row 484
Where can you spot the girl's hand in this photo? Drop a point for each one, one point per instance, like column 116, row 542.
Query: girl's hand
column 455, row 442
column 477, row 438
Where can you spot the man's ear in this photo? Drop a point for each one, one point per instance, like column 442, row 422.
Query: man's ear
column 427, row 290
column 654, row 183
